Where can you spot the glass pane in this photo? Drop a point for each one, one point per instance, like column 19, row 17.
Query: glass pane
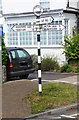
column 22, row 54
column 13, row 54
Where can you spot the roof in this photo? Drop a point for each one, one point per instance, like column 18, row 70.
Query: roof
column 10, row 15
column 71, row 10
column 67, row 10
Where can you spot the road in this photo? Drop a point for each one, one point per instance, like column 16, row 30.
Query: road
column 63, row 113
column 51, row 75
column 16, row 90
column 56, row 77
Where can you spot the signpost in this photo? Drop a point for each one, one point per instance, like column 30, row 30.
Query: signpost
column 41, row 24
column 52, row 27
column 19, row 28
column 38, row 14
column 46, row 20
column 1, row 34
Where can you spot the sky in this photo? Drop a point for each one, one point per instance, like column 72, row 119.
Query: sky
column 19, row 6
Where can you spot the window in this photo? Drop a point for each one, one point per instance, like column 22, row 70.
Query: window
column 13, row 54
column 25, row 38
column 34, row 38
column 43, row 38
column 45, row 4
column 12, row 36
column 22, row 54
column 55, row 37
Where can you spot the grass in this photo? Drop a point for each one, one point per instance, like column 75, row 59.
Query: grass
column 53, row 95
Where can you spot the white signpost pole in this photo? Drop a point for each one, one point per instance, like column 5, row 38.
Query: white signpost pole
column 38, row 11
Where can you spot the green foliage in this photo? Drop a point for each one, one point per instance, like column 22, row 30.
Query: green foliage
column 54, row 95
column 4, row 53
column 35, row 61
column 77, row 70
column 66, row 68
column 71, row 47
column 49, row 64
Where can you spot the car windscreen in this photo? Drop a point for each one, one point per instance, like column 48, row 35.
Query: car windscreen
column 19, row 54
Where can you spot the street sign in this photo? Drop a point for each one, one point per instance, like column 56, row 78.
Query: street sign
column 23, row 28
column 1, row 31
column 46, row 20
column 30, row 28
column 38, row 10
column 52, row 27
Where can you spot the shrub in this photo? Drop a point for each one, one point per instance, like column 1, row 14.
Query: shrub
column 71, row 47
column 49, row 64
column 66, row 68
column 4, row 53
column 77, row 70
column 35, row 61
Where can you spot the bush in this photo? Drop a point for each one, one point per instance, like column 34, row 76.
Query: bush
column 49, row 64
column 4, row 53
column 35, row 61
column 77, row 70
column 66, row 68
column 71, row 47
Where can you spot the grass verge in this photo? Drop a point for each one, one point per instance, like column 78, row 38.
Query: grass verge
column 53, row 95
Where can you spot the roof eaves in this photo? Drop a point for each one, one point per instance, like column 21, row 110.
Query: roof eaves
column 10, row 15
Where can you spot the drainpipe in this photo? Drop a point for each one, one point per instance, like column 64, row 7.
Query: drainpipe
column 67, row 3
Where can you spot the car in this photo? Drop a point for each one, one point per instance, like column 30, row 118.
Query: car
column 19, row 63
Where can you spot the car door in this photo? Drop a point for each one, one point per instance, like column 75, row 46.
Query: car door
column 14, row 60
column 24, row 60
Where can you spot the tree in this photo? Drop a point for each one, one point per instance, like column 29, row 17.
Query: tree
column 71, row 47
column 4, row 53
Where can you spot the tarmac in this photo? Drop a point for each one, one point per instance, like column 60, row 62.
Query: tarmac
column 13, row 93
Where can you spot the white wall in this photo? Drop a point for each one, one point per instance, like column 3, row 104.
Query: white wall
column 49, row 52
column 58, row 4
column 13, row 6
column 73, row 3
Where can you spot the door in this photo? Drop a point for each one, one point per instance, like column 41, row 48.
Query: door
column 21, row 60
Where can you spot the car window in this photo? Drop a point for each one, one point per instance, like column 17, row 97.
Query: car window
column 22, row 54
column 13, row 54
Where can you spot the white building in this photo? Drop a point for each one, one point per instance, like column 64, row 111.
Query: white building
column 51, row 40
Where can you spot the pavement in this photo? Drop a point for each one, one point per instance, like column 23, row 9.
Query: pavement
column 14, row 91
column 12, row 94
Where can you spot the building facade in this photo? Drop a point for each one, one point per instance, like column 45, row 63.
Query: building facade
column 0, row 6
column 51, row 40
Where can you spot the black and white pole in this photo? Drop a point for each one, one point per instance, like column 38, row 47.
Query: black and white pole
column 39, row 54
column 38, row 11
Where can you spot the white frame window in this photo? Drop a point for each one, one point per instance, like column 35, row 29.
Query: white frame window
column 29, row 39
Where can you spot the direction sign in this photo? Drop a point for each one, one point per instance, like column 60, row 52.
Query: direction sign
column 21, row 28
column 52, row 27
column 30, row 28
column 1, row 31
column 46, row 20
